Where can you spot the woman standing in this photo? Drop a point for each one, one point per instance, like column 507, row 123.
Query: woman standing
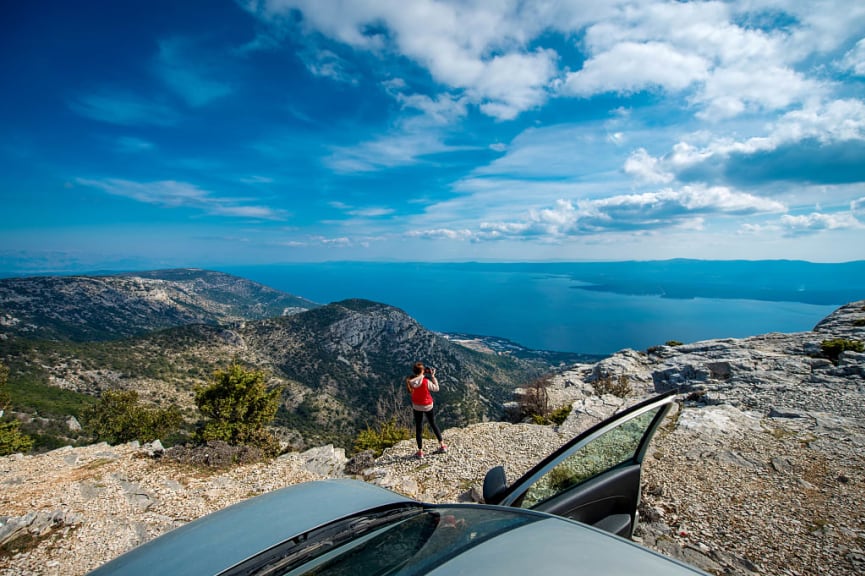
column 420, row 384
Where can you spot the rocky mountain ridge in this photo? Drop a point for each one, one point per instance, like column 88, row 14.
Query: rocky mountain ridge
column 340, row 365
column 760, row 471
column 87, row 308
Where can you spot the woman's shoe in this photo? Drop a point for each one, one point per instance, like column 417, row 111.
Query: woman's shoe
column 441, row 449
column 418, row 454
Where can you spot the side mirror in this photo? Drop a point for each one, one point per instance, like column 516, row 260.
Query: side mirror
column 495, row 485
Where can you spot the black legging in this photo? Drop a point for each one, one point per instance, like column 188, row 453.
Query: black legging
column 418, row 426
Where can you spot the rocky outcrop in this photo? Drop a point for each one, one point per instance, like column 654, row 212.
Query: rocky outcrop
column 761, row 470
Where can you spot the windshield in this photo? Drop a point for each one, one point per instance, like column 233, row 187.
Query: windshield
column 395, row 541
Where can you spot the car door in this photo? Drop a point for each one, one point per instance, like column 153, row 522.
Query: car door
column 594, row 478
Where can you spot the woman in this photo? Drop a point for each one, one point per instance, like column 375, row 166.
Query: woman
column 420, row 384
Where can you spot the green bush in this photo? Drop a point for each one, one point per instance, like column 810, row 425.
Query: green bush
column 559, row 415
column 387, row 434
column 119, row 417
column 12, row 440
column 672, row 343
column 238, row 407
column 832, row 349
column 556, row 416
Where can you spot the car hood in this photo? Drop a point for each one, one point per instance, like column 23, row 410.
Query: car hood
column 220, row 540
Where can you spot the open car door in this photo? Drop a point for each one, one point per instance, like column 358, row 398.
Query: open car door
column 594, row 478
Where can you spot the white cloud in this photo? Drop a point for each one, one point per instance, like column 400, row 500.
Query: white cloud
column 328, row 64
column 732, row 90
column 724, row 54
column 465, row 46
column 441, row 233
column 372, row 212
column 175, row 194
column 828, row 123
column 686, row 208
column 399, row 149
column 631, row 67
column 443, row 109
column 646, row 168
column 854, row 60
column 817, row 222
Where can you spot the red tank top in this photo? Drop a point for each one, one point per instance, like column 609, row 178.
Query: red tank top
column 420, row 395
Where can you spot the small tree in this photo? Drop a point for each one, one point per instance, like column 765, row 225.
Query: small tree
column 535, row 401
column 118, row 417
column 11, row 438
column 619, row 386
column 238, row 406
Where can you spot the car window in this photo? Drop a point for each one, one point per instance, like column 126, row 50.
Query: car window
column 412, row 542
column 612, row 448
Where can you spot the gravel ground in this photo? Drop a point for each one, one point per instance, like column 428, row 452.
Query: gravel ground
column 756, row 497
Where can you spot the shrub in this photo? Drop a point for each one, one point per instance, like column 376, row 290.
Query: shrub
column 672, row 343
column 12, row 440
column 559, row 415
column 118, row 417
column 387, row 434
column 238, row 406
column 832, row 349
column 619, row 386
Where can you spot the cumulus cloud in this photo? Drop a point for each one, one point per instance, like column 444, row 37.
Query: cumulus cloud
column 646, row 168
column 504, row 58
column 173, row 194
column 805, row 224
column 822, row 141
column 684, row 208
column 441, row 233
column 480, row 49
column 631, row 67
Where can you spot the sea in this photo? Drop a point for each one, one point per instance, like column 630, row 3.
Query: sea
column 585, row 307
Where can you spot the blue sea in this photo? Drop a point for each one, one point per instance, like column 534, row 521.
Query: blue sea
column 591, row 308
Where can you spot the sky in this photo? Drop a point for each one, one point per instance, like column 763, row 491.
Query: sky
column 151, row 134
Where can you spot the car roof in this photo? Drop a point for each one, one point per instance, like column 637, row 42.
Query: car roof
column 215, row 542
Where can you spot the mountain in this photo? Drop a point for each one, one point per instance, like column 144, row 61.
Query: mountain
column 341, row 366
column 88, row 308
column 758, row 470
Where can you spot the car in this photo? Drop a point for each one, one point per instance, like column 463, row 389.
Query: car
column 572, row 513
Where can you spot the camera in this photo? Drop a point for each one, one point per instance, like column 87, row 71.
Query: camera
column 428, row 369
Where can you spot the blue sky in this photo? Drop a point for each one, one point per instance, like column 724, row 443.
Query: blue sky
column 145, row 134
